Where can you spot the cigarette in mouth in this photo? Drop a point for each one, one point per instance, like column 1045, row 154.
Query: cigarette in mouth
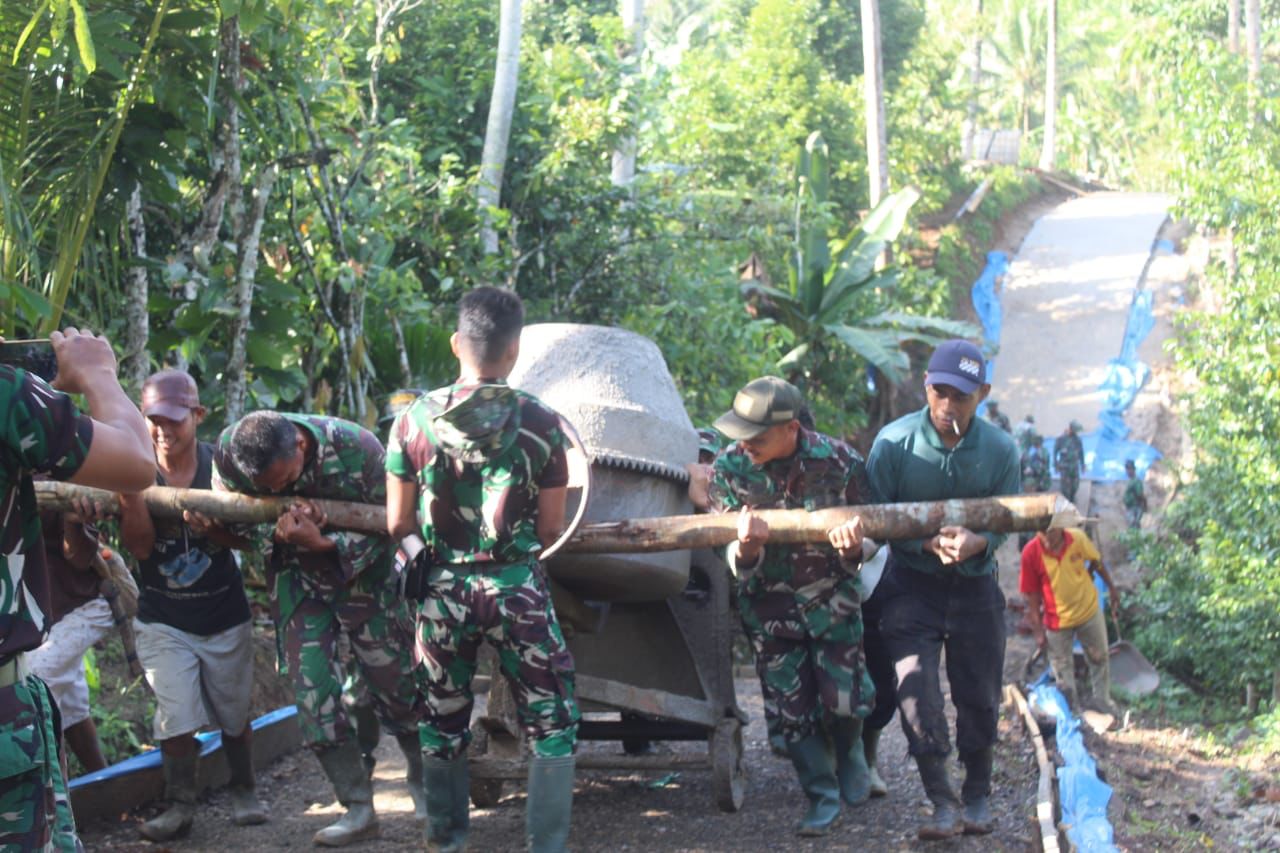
column 955, row 425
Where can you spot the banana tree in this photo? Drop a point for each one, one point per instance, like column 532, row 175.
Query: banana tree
column 835, row 302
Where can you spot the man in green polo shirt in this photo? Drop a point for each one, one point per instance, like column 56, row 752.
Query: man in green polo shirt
column 941, row 592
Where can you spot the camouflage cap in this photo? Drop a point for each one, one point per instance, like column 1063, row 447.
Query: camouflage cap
column 1076, row 426
column 709, row 441
column 761, row 404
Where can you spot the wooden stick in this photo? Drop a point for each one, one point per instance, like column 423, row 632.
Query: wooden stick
column 791, row 526
column 1046, row 807
column 672, row 533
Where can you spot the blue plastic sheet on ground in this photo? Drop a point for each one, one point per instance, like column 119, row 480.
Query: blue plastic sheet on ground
column 1082, row 795
column 209, row 742
column 986, row 302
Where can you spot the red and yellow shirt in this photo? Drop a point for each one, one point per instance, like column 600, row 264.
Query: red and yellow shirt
column 1062, row 578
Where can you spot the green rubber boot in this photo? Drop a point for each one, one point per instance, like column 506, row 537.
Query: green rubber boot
column 815, row 765
column 413, row 774
column 246, row 808
column 550, row 805
column 351, row 783
column 945, row 822
column 851, row 761
column 870, row 746
column 447, row 786
column 180, row 791
column 368, row 734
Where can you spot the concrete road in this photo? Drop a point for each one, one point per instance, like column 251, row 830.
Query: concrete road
column 1065, row 299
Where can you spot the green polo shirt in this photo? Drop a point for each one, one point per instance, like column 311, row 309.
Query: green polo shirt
column 909, row 462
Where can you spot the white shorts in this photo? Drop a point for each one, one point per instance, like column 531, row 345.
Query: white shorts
column 197, row 680
column 60, row 659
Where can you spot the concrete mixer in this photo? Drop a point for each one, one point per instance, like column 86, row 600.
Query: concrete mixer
column 651, row 634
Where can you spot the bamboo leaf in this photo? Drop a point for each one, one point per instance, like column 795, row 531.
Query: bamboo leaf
column 84, row 38
column 29, row 29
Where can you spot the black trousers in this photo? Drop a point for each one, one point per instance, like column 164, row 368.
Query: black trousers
column 879, row 663
column 921, row 615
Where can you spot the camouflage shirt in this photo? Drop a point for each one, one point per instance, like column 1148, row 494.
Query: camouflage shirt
column 44, row 433
column 346, row 464
column 480, row 454
column 823, row 472
column 1068, row 454
column 1035, row 469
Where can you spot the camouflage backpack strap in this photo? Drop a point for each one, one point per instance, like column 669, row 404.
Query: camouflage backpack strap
column 476, row 424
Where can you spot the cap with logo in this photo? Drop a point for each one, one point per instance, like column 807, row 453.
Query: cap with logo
column 762, row 403
column 170, row 394
column 959, row 364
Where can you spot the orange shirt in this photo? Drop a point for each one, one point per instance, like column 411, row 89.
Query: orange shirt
column 1070, row 598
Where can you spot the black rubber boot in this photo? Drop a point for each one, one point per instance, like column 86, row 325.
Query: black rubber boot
column 246, row 808
column 976, row 791
column 351, row 783
column 413, row 774
column 180, row 791
column 851, row 761
column 447, row 786
column 870, row 746
column 945, row 822
column 815, row 765
column 550, row 805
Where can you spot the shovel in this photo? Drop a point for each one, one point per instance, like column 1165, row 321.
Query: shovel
column 1130, row 671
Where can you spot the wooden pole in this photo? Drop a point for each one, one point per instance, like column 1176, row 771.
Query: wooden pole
column 790, row 526
column 1006, row 514
column 166, row 502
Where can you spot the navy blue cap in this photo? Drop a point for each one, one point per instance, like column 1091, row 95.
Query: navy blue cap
column 959, row 364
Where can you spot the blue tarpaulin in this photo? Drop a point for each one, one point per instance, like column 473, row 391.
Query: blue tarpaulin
column 209, row 742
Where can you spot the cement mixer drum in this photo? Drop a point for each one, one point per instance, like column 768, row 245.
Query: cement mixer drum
column 614, row 387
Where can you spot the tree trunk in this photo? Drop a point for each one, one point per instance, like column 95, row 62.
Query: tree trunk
column 247, row 268
column 497, row 132
column 623, row 170
column 1007, row 514
column 873, row 82
column 197, row 247
column 136, row 364
column 1049, row 152
column 1253, row 40
column 402, row 351
column 975, row 88
column 1233, row 26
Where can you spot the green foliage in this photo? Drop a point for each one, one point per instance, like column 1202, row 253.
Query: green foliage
column 1213, row 597
column 834, row 302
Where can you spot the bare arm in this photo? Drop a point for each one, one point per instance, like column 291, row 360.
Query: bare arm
column 137, row 531
column 1100, row 568
column 1035, row 605
column 551, row 504
column 120, row 456
column 402, row 499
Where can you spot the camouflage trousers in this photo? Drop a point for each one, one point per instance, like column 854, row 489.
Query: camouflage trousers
column 809, row 662
column 509, row 606
column 381, row 654
column 35, row 811
column 1069, row 484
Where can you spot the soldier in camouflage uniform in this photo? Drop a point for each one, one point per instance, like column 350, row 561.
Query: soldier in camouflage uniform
column 1035, row 465
column 1068, row 458
column 998, row 417
column 479, row 470
column 44, row 433
column 800, row 604
column 324, row 583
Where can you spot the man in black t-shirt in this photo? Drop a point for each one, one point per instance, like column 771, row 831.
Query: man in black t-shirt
column 195, row 635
